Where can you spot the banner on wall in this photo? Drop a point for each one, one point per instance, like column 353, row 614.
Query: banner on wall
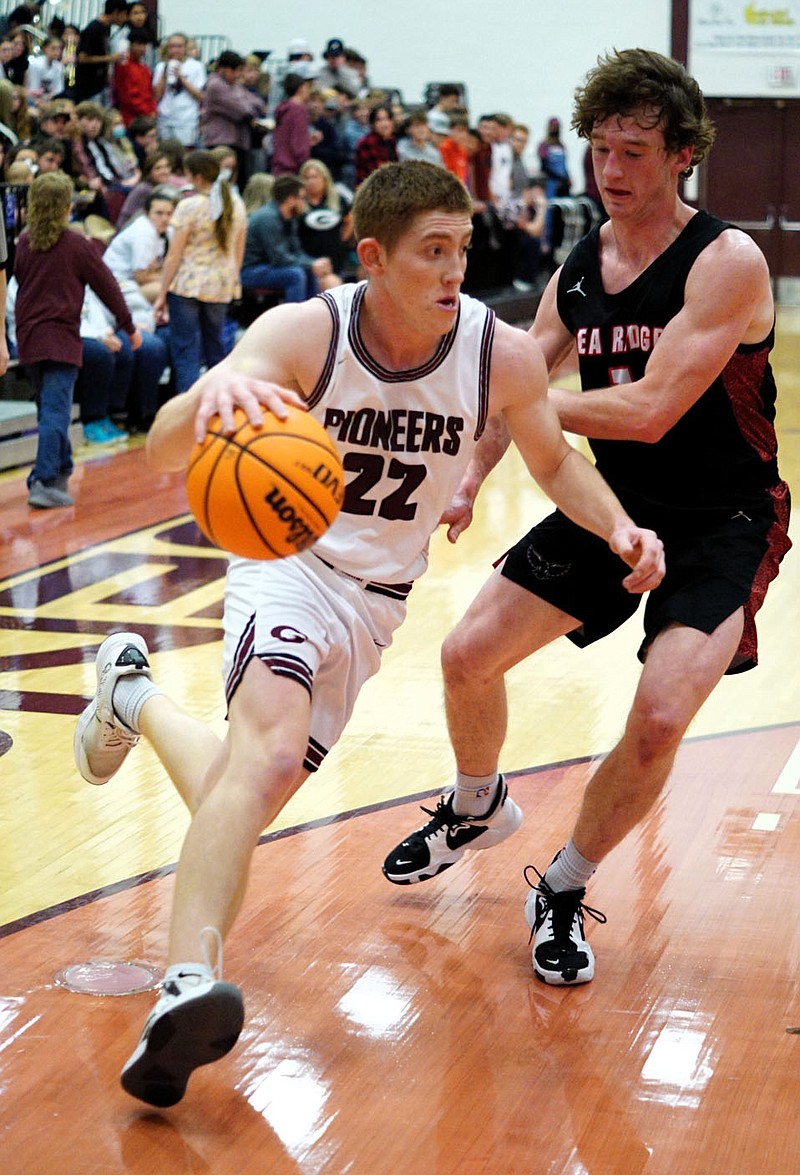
column 739, row 26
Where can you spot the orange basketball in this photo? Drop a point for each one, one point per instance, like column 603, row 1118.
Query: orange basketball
column 265, row 492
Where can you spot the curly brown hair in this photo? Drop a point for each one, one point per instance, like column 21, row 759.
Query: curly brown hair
column 655, row 90
column 49, row 201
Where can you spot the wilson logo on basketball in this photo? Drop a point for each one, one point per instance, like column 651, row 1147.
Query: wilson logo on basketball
column 298, row 533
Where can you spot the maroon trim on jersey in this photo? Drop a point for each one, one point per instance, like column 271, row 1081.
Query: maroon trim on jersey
column 746, row 378
column 484, row 372
column 382, row 373
column 778, row 543
column 330, row 359
column 315, row 753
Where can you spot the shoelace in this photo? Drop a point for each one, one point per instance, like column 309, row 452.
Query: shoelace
column 564, row 907
column 442, row 816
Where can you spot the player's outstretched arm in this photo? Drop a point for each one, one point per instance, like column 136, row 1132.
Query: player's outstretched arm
column 277, row 362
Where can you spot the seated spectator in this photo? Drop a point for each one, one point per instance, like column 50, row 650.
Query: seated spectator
column 377, row 147
column 228, row 110
column 273, row 256
column 21, row 153
column 323, row 111
column 157, row 170
column 50, row 155
column 418, row 141
column 326, row 227
column 143, row 136
column 10, row 130
column 115, row 382
column 455, row 148
column 21, row 171
column 258, row 191
column 98, row 164
column 351, row 132
column 137, row 252
column 178, row 84
column 531, row 224
column 176, row 153
column 291, row 143
column 56, row 122
column 46, row 73
column 133, row 81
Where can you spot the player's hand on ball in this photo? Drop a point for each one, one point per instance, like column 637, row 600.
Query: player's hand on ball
column 226, row 389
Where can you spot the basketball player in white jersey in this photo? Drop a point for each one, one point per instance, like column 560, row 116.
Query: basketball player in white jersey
column 403, row 372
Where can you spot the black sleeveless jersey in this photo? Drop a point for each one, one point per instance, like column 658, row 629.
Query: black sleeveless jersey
column 724, row 449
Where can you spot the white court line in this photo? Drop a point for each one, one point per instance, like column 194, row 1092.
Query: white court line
column 766, row 822
column 788, row 782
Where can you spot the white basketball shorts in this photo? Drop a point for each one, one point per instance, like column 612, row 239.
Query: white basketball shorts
column 313, row 624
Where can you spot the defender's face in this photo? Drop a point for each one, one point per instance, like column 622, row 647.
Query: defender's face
column 425, row 270
column 634, row 171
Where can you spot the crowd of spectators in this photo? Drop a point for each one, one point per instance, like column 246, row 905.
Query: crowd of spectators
column 159, row 144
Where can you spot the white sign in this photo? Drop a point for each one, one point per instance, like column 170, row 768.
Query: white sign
column 739, row 26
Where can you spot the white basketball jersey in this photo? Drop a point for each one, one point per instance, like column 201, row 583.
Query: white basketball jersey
column 405, row 437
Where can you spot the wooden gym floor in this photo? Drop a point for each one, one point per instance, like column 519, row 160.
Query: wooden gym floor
column 393, row 1028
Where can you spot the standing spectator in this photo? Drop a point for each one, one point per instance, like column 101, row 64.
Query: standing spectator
column 273, row 256
column 335, row 73
column 291, row 145
column 418, row 142
column 228, row 110
column 178, row 85
column 298, row 53
column 48, row 315
column 201, row 273
column 46, row 73
column 94, row 56
column 553, row 161
column 133, row 81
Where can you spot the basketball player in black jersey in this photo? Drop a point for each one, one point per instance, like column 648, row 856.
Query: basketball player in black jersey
column 672, row 316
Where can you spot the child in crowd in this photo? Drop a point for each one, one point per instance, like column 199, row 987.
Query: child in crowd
column 48, row 315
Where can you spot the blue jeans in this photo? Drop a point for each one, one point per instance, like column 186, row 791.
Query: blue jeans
column 196, row 336
column 52, row 385
column 295, row 283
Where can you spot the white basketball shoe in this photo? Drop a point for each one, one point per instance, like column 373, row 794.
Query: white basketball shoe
column 101, row 740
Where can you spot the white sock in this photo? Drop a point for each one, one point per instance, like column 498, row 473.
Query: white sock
column 130, row 694
column 569, row 870
column 179, row 972
column 474, row 794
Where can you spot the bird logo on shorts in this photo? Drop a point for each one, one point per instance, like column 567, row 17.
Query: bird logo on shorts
column 542, row 568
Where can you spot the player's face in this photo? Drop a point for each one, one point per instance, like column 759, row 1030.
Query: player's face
column 634, row 171
column 426, row 268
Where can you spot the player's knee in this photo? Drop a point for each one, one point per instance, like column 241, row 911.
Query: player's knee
column 461, row 660
column 657, row 726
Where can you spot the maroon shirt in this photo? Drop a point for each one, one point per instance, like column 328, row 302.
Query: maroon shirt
column 50, row 298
